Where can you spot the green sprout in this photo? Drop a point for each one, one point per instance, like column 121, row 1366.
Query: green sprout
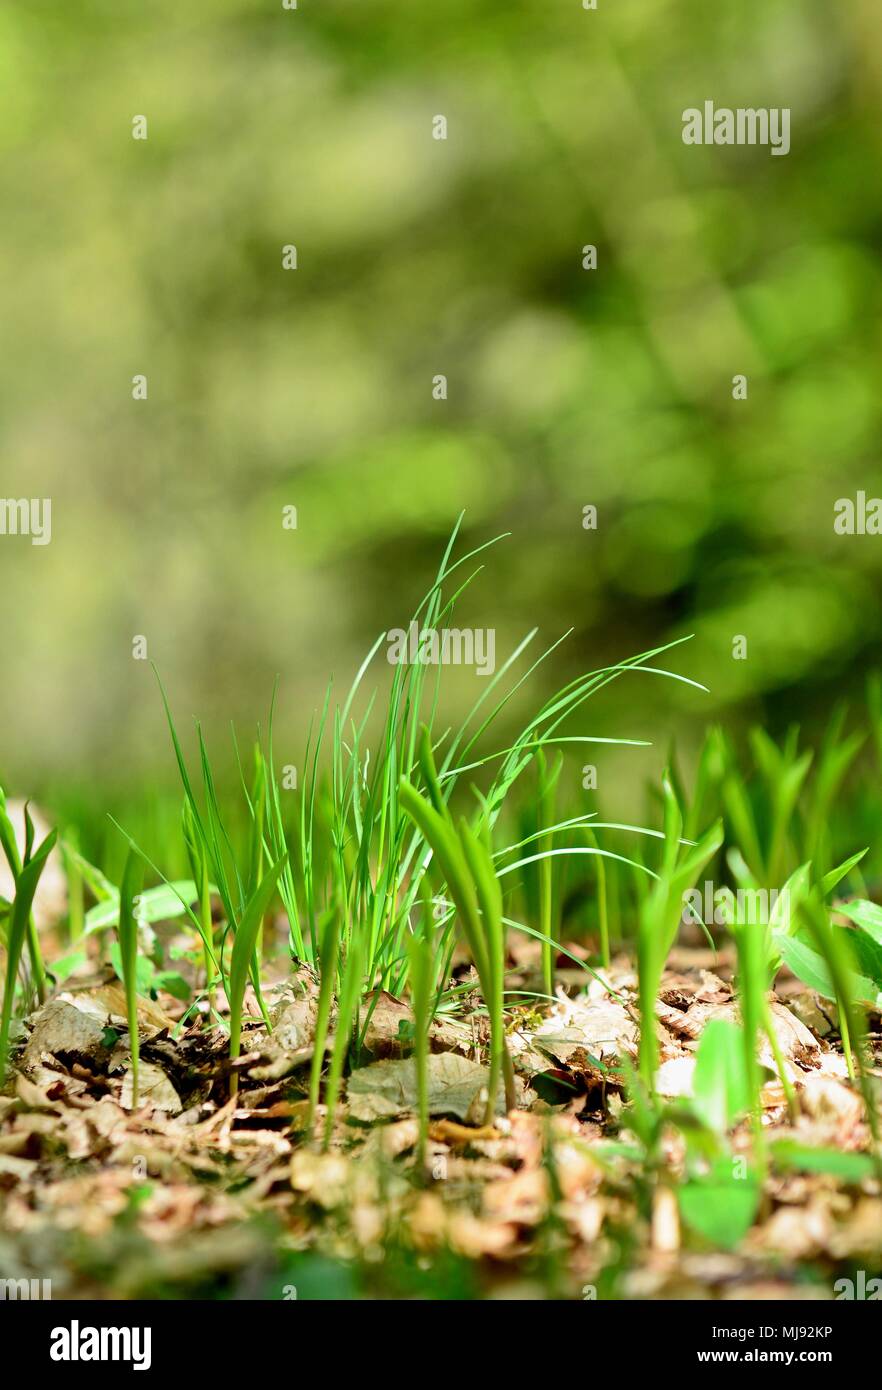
column 465, row 860
column 19, row 925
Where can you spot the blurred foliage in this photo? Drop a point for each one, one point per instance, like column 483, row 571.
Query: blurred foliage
column 419, row 257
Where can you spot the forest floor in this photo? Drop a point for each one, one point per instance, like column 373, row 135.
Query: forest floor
column 196, row 1194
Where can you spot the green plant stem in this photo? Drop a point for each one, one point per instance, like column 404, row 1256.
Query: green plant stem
column 845, row 1035
column 602, row 904
column 75, row 902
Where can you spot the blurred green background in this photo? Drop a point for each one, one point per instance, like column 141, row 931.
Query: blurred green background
column 416, row 257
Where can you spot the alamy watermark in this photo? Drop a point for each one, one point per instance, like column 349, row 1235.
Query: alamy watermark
column 744, row 906
column 76, row 1343
column 448, row 646
column 25, row 1289
column 861, row 1289
column 712, row 125
column 861, row 516
column 27, row 516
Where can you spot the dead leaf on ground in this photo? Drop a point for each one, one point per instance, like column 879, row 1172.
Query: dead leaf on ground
column 601, row 1027
column 109, row 1002
column 386, row 1090
column 68, row 1027
column 381, row 1018
column 154, row 1088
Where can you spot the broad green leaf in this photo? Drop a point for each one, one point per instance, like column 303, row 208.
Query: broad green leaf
column 144, row 969
column 721, row 1207
column 25, row 888
column 7, row 838
column 66, row 965
column 866, row 915
column 159, row 904
column 830, row 880
column 810, row 967
column 867, row 952
column 173, row 984
column 720, row 1086
column 98, row 884
column 790, row 1156
column 784, row 911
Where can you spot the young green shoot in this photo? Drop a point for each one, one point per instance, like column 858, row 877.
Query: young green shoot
column 660, row 918
column 75, row 896
column 465, row 860
column 244, row 943
column 329, row 941
column 13, row 858
column 548, row 778
column 602, row 902
column 347, row 1019
column 421, row 958
column 26, row 881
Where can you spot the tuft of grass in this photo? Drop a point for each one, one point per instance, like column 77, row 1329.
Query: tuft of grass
column 201, row 880
column 465, row 859
column 13, row 859
column 347, row 1020
column 421, row 961
column 329, row 942
column 548, row 777
column 660, row 918
column 20, row 922
column 242, row 956
column 602, row 901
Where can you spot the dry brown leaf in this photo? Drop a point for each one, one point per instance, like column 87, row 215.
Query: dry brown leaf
column 322, row 1177
column 797, row 1233
column 381, row 1017
column 68, row 1028
column 675, row 1077
column 21, row 1169
column 834, row 1104
column 109, row 1001
column 293, row 1013
column 602, row 1027
column 521, row 1199
column 386, row 1090
column 34, row 1096
column 154, row 1088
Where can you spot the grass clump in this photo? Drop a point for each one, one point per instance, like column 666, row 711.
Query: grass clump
column 19, row 924
column 465, row 858
column 411, row 844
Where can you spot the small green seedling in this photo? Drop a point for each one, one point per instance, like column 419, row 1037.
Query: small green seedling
column 548, row 778
column 329, row 941
column 720, row 1086
column 76, row 911
column 347, row 1019
column 201, row 880
column 466, row 862
column 660, row 918
column 602, row 900
column 421, row 957
column 243, row 955
column 26, row 881
column 10, row 849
